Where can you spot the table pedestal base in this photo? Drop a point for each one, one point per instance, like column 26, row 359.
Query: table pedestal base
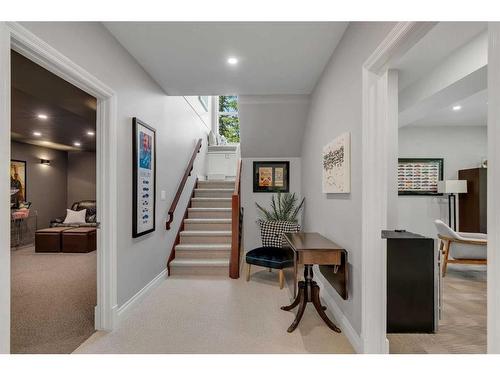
column 308, row 292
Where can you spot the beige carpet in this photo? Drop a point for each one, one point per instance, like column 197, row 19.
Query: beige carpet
column 195, row 314
column 462, row 328
column 53, row 299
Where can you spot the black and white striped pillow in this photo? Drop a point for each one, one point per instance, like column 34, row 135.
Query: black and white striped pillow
column 271, row 232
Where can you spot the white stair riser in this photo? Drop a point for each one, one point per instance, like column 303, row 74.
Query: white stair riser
column 208, row 270
column 209, row 214
column 211, row 204
column 212, row 193
column 202, row 254
column 216, row 184
column 207, row 226
column 205, row 239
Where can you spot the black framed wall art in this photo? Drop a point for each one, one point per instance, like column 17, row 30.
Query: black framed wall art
column 419, row 176
column 144, row 178
column 271, row 176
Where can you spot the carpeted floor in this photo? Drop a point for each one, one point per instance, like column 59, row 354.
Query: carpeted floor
column 53, row 299
column 211, row 314
column 462, row 328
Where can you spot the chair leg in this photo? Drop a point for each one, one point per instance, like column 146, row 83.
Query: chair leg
column 446, row 252
column 282, row 279
column 248, row 271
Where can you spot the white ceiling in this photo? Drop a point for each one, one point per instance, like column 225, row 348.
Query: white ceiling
column 438, row 43
column 474, row 112
column 189, row 58
column 446, row 67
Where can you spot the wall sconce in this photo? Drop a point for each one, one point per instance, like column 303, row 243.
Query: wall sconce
column 44, row 162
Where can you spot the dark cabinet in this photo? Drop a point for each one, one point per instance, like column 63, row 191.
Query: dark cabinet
column 412, row 283
column 472, row 206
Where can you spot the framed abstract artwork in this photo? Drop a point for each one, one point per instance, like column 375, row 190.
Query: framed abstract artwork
column 144, row 178
column 419, row 176
column 17, row 183
column 337, row 165
column 271, row 176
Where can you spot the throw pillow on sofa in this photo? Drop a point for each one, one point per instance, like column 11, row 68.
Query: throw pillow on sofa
column 75, row 217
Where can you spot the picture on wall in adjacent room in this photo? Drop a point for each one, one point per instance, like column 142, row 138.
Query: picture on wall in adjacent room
column 337, row 165
column 17, row 182
column 144, row 178
column 419, row 176
column 271, row 176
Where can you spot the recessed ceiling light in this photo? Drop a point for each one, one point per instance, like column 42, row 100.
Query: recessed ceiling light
column 457, row 107
column 232, row 61
column 91, row 133
column 42, row 116
column 37, row 134
column 77, row 144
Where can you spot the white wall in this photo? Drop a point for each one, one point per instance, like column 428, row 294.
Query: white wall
column 272, row 125
column 178, row 126
column 336, row 108
column 461, row 147
column 251, row 232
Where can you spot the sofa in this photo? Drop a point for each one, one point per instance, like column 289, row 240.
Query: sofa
column 90, row 216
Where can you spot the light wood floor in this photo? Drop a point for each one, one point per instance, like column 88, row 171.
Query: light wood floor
column 462, row 328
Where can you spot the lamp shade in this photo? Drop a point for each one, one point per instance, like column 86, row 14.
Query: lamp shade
column 452, row 186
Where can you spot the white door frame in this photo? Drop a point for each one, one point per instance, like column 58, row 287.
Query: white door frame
column 493, row 187
column 379, row 98
column 14, row 36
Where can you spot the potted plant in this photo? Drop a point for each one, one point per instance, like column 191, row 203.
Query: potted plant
column 280, row 218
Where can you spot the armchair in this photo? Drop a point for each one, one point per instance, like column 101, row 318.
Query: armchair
column 461, row 247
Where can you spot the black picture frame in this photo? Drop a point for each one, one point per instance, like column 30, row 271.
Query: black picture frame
column 272, row 166
column 144, row 209
column 25, row 179
column 408, row 174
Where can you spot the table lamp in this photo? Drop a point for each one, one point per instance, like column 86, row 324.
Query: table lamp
column 452, row 187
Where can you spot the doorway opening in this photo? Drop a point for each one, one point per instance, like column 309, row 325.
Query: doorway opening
column 381, row 118
column 53, row 211
column 22, row 41
column 436, row 270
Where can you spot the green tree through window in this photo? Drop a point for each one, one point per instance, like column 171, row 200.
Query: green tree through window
column 229, row 122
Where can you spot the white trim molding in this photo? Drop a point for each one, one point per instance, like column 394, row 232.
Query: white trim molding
column 4, row 189
column 15, row 36
column 379, row 113
column 124, row 309
column 493, row 188
column 344, row 324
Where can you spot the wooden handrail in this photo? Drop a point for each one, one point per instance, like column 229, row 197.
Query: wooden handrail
column 234, row 261
column 187, row 173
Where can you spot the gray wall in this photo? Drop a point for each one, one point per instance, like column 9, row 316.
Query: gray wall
column 81, row 176
column 335, row 108
column 272, row 125
column 46, row 185
column 251, row 233
column 92, row 47
column 462, row 147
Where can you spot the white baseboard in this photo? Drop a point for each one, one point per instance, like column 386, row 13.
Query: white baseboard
column 136, row 298
column 346, row 327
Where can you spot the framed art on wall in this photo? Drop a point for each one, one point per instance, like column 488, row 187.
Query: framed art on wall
column 144, row 178
column 419, row 176
column 337, row 165
column 271, row 176
column 17, row 182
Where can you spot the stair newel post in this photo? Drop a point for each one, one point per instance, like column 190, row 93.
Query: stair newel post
column 234, row 262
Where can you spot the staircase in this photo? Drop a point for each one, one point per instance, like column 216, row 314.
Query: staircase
column 204, row 242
